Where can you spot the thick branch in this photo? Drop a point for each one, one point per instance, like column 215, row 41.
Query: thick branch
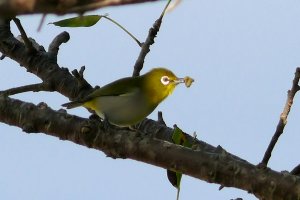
column 11, row 8
column 217, row 167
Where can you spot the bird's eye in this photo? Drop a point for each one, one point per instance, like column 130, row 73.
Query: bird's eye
column 165, row 80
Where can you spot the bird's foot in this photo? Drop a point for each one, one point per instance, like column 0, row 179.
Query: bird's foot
column 106, row 124
column 136, row 129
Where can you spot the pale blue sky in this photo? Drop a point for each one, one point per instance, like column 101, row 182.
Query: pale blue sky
column 242, row 54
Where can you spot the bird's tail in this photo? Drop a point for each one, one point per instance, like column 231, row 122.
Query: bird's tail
column 72, row 104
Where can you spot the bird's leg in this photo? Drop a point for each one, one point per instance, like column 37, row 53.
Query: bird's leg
column 106, row 122
column 94, row 117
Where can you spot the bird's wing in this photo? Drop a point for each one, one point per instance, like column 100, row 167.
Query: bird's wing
column 121, row 87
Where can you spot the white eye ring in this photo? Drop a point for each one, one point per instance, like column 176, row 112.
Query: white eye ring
column 165, row 80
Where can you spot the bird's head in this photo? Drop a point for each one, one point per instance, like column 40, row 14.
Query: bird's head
column 160, row 83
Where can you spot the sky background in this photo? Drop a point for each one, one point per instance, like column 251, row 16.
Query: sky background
column 242, row 55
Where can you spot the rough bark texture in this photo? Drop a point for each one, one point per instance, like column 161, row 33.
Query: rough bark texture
column 10, row 8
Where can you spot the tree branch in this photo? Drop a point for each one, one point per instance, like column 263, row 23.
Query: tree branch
column 138, row 66
column 283, row 118
column 27, row 42
column 53, row 48
column 296, row 170
column 27, row 88
column 202, row 161
column 12, row 8
column 215, row 166
column 42, row 64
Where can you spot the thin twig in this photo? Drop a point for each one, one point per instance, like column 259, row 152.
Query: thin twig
column 165, row 9
column 138, row 66
column 80, row 77
column 283, row 118
column 41, row 23
column 27, row 42
column 27, row 88
column 173, row 5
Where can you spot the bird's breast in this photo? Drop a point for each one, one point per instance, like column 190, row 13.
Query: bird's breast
column 122, row 110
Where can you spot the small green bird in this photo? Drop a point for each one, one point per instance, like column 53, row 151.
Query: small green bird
column 127, row 101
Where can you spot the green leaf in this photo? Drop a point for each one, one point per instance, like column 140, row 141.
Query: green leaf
column 178, row 175
column 174, row 178
column 81, row 21
column 179, row 138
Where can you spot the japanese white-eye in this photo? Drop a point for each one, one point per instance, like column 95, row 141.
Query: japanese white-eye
column 129, row 100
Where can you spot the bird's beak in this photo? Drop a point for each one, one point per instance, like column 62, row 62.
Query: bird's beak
column 179, row 80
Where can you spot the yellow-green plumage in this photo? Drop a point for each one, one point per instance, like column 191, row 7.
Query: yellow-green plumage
column 127, row 101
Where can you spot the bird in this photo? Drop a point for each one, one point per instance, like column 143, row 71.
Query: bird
column 127, row 101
